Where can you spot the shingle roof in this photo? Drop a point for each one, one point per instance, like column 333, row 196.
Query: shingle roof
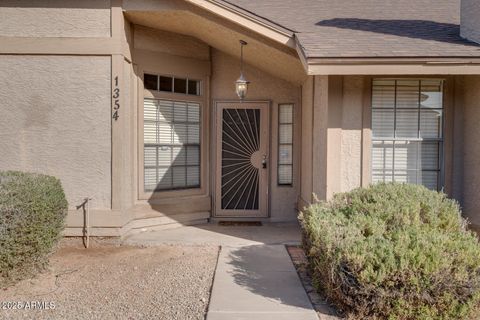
column 369, row 28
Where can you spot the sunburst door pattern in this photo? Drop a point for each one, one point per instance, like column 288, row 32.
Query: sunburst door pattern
column 240, row 142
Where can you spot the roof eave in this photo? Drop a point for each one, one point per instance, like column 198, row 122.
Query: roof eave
column 392, row 65
column 248, row 20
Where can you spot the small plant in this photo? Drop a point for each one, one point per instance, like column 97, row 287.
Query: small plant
column 393, row 251
column 32, row 214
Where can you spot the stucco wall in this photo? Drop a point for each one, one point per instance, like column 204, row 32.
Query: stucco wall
column 457, row 137
column 55, row 119
column 170, row 43
column 225, row 70
column 470, row 20
column 128, row 138
column 352, row 123
column 55, row 18
column 306, row 146
column 471, row 148
column 333, row 157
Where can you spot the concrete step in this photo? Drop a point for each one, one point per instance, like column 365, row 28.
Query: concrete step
column 164, row 222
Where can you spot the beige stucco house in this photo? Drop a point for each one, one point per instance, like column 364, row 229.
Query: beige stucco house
column 133, row 104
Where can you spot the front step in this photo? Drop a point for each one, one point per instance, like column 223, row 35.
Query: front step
column 164, row 222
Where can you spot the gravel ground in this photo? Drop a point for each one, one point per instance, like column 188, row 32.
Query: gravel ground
column 108, row 281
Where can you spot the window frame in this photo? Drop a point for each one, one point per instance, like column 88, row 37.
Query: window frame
column 441, row 142
column 179, row 97
column 289, row 144
column 187, row 79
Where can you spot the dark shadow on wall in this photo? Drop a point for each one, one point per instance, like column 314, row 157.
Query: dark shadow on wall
column 417, row 29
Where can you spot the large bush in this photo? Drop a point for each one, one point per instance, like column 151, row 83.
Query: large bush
column 32, row 214
column 393, row 251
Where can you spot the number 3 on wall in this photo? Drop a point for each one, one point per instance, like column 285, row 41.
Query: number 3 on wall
column 116, row 101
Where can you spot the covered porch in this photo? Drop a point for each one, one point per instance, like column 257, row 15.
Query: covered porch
column 186, row 150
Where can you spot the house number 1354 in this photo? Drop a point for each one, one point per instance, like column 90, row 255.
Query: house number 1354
column 116, row 100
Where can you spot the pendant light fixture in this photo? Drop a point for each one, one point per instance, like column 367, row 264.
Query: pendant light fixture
column 241, row 85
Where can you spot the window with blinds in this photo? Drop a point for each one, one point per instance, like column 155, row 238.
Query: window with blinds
column 407, row 131
column 171, row 145
column 285, row 144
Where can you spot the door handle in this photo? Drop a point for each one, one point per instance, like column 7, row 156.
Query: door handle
column 264, row 162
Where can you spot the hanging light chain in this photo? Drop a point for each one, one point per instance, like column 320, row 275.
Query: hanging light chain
column 241, row 85
column 242, row 44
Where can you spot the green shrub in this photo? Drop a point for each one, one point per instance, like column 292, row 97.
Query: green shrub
column 32, row 214
column 393, row 251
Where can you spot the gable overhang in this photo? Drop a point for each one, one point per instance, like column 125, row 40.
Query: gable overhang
column 221, row 27
column 248, row 20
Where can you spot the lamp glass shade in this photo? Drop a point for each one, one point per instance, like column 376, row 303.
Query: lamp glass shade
column 241, row 87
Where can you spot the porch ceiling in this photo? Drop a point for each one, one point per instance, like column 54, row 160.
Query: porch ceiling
column 261, row 52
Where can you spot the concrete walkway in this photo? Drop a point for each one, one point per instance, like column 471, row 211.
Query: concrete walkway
column 258, row 282
column 255, row 277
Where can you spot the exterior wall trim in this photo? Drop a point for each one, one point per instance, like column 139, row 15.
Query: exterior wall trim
column 63, row 46
column 395, row 69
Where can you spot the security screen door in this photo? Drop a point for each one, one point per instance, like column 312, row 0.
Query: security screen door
column 241, row 159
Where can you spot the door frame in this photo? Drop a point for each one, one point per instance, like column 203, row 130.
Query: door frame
column 264, row 206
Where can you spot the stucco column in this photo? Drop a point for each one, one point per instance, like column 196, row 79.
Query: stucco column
column 327, row 136
column 319, row 136
column 338, row 145
column 471, row 149
column 122, row 116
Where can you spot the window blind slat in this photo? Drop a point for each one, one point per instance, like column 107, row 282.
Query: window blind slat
column 383, row 94
column 431, row 123
column 285, row 152
column 172, row 145
column 193, row 113
column 285, row 144
column 407, row 93
column 383, row 123
column 406, row 124
column 413, row 114
column 180, row 111
column 285, row 114
column 382, row 155
column 149, row 132
column 193, row 176
column 285, row 174
column 179, row 155
column 286, row 133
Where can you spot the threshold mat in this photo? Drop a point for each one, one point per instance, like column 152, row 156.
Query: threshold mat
column 240, row 223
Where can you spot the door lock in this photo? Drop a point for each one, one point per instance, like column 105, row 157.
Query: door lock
column 264, row 162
